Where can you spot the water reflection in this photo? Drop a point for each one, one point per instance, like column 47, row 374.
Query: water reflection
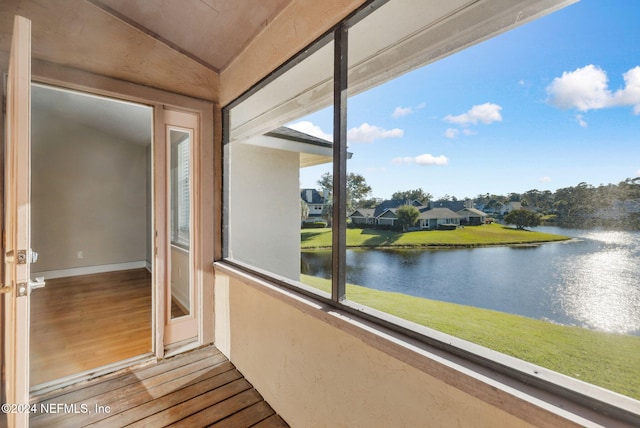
column 591, row 281
column 600, row 288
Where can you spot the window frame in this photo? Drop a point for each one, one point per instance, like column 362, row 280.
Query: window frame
column 602, row 401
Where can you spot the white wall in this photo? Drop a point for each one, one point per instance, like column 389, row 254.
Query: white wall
column 264, row 202
column 89, row 195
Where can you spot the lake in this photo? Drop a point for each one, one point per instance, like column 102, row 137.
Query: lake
column 592, row 281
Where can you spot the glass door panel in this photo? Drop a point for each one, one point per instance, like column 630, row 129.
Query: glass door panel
column 180, row 222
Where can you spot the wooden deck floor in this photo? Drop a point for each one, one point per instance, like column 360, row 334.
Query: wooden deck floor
column 199, row 388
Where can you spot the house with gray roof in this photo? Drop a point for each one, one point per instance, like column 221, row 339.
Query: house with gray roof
column 385, row 215
column 363, row 216
column 315, row 201
column 472, row 216
column 439, row 218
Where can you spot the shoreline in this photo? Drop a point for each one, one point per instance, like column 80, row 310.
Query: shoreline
column 443, row 246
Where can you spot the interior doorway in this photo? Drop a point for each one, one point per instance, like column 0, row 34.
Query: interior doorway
column 92, row 230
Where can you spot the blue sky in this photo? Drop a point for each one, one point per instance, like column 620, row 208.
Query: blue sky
column 548, row 105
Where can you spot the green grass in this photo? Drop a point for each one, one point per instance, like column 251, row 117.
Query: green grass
column 470, row 236
column 608, row 360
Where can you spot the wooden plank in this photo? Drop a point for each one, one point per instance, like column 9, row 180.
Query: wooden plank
column 174, row 398
column 139, row 393
column 206, row 389
column 247, row 417
column 213, row 400
column 123, row 378
column 273, row 421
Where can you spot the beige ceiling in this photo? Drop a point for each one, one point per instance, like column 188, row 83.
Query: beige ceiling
column 176, row 45
column 211, row 31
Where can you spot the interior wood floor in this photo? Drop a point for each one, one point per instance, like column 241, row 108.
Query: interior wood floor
column 196, row 389
column 84, row 322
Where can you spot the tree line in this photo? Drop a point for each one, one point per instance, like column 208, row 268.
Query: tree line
column 583, row 205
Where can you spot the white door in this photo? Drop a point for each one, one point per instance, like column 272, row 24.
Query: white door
column 17, row 254
column 181, row 277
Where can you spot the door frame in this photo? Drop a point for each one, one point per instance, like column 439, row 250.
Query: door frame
column 63, row 77
column 16, row 240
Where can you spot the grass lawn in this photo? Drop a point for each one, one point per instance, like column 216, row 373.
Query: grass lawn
column 608, row 360
column 489, row 234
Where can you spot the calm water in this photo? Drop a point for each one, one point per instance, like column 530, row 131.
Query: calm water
column 592, row 281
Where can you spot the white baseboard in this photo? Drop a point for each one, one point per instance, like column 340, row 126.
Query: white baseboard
column 88, row 270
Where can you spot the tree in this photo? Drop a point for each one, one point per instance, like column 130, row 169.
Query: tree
column 522, row 219
column 369, row 203
column 407, row 216
column 357, row 189
column 413, row 195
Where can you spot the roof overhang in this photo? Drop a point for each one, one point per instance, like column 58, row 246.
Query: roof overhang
column 416, row 33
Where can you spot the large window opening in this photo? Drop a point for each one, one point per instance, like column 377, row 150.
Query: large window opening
column 266, row 154
column 490, row 190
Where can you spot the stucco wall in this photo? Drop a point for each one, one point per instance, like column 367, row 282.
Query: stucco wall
column 320, row 370
column 264, row 203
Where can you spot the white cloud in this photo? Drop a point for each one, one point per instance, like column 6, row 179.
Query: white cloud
column 405, row 111
column 630, row 95
column 366, row 133
column 581, row 121
column 545, row 179
column 587, row 88
column 424, row 160
column 401, row 111
column 451, row 133
column 311, row 129
column 484, row 113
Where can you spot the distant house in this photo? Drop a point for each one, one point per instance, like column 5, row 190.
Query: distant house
column 384, row 214
column 438, row 218
column 315, row 201
column 472, row 216
column 363, row 216
column 394, row 204
column 387, row 218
